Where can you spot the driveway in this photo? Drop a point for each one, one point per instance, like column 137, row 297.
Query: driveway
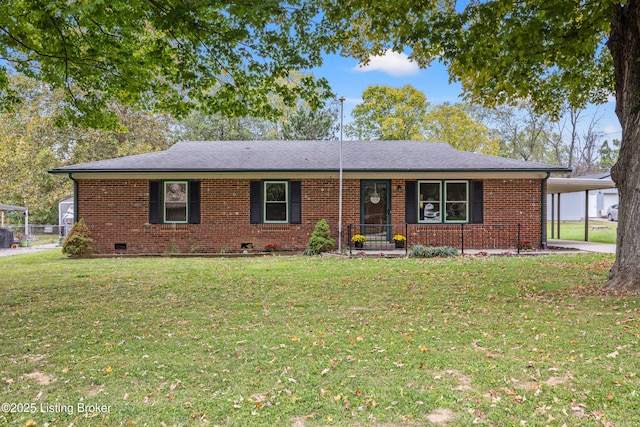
column 29, row 249
column 606, row 248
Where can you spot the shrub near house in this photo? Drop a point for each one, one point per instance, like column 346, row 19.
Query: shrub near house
column 79, row 241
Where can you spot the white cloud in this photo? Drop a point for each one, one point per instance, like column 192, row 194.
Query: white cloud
column 393, row 63
column 611, row 130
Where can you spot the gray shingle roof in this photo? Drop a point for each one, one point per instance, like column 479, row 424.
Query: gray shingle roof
column 226, row 156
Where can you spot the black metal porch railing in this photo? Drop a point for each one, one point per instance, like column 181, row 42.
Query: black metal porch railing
column 379, row 237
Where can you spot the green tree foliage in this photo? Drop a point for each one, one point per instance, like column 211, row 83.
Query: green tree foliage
column 31, row 144
column 299, row 120
column 388, row 113
column 216, row 127
column 28, row 148
column 550, row 52
column 608, row 154
column 320, row 240
column 163, row 55
column 308, row 124
column 451, row 124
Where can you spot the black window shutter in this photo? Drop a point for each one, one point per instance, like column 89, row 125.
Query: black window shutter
column 296, row 202
column 194, row 202
column 154, row 202
column 477, row 216
column 255, row 196
column 410, row 202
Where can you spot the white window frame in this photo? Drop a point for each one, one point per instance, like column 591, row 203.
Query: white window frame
column 265, row 202
column 446, row 201
column 442, row 214
column 165, row 186
column 421, row 203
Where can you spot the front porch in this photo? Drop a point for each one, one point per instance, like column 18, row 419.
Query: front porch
column 464, row 237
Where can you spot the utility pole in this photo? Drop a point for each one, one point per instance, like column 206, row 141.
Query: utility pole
column 340, row 185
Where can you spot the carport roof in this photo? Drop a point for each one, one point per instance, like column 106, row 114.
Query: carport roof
column 572, row 185
column 9, row 208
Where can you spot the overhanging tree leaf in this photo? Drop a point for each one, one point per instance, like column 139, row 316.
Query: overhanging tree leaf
column 389, row 113
column 163, row 55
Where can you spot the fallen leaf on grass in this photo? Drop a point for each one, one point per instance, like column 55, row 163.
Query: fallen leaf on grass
column 578, row 409
column 543, row 409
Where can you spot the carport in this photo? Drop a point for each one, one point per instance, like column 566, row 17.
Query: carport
column 11, row 208
column 558, row 186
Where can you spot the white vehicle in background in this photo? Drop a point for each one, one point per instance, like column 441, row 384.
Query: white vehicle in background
column 612, row 212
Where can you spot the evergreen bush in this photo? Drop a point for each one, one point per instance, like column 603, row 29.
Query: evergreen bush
column 419, row 251
column 79, row 241
column 320, row 240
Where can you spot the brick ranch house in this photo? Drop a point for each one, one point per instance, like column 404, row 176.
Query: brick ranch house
column 225, row 196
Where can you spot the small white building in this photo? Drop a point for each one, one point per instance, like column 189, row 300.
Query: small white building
column 66, row 215
column 572, row 205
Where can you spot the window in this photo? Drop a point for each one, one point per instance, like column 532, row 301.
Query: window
column 174, row 202
column 276, row 201
column 456, row 201
column 430, row 201
column 443, row 201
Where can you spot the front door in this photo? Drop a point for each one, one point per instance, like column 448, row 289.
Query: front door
column 375, row 212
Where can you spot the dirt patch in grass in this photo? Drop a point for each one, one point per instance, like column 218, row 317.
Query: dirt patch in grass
column 39, row 377
column 297, row 422
column 441, row 416
column 554, row 381
column 94, row 391
column 35, row 358
column 464, row 381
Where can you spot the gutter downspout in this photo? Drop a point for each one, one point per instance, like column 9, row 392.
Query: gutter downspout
column 75, row 197
column 543, row 186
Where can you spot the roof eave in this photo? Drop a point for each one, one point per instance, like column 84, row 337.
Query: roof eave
column 390, row 170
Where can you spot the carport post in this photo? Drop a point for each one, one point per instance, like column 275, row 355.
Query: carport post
column 586, row 215
column 558, row 215
column 553, row 211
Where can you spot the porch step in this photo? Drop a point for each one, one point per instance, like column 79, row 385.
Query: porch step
column 376, row 245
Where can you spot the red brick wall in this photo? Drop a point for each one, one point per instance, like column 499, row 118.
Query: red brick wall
column 117, row 211
column 511, row 201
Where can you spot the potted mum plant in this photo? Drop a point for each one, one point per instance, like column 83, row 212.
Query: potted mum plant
column 358, row 240
column 23, row 239
column 399, row 239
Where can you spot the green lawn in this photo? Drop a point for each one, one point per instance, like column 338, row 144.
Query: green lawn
column 311, row 341
column 599, row 231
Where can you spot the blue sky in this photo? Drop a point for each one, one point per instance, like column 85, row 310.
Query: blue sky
column 349, row 80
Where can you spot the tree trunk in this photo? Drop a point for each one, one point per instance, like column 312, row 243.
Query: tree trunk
column 624, row 45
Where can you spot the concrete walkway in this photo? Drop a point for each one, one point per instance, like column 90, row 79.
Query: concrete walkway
column 552, row 244
column 29, row 249
column 606, row 248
